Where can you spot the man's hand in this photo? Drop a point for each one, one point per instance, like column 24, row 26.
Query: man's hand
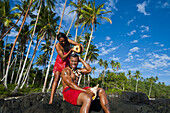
column 88, row 91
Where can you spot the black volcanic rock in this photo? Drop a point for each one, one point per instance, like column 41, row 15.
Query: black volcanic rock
column 127, row 102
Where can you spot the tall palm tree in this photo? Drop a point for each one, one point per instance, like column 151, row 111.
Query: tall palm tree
column 6, row 17
column 105, row 64
column 129, row 75
column 91, row 57
column 5, row 81
column 94, row 68
column 78, row 7
column 91, row 13
column 112, row 63
column 100, row 64
column 137, row 76
column 118, row 66
column 152, row 80
column 43, row 90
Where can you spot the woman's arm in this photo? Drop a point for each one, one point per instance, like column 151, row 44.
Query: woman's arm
column 75, row 43
column 61, row 54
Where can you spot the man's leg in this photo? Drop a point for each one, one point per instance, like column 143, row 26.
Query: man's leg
column 84, row 100
column 103, row 100
column 54, row 86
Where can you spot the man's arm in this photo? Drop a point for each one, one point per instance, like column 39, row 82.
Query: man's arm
column 87, row 68
column 66, row 76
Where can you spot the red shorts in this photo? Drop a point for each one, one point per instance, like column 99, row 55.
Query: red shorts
column 71, row 95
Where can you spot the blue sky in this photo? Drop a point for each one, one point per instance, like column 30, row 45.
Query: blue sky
column 138, row 37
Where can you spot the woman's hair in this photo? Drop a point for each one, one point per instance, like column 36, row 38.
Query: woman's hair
column 61, row 35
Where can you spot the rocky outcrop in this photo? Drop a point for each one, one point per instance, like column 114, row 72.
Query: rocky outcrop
column 127, row 102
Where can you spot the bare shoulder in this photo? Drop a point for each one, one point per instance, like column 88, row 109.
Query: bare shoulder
column 65, row 72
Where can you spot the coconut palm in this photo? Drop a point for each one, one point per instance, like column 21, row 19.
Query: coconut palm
column 152, row 80
column 91, row 57
column 43, row 90
column 112, row 63
column 78, row 7
column 91, row 13
column 94, row 68
column 130, row 76
column 105, row 64
column 6, row 17
column 100, row 64
column 118, row 66
column 137, row 76
column 5, row 81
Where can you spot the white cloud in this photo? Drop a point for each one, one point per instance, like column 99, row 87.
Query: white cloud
column 134, row 41
column 144, row 28
column 145, row 36
column 131, row 33
column 156, row 61
column 105, row 52
column 130, row 21
column 141, row 8
column 162, row 45
column 130, row 57
column 156, row 43
column 166, row 5
column 114, row 58
column 108, row 38
column 135, row 49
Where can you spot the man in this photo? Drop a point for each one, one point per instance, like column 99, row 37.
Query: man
column 76, row 95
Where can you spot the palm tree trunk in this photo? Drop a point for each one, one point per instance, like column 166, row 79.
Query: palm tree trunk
column 45, row 81
column 51, row 81
column 103, row 78
column 12, row 26
column 150, row 90
column 86, row 53
column 88, row 80
column 35, row 76
column 22, row 55
column 136, row 86
column 4, row 57
column 6, row 75
column 29, row 67
column 75, row 39
column 13, row 69
column 71, row 24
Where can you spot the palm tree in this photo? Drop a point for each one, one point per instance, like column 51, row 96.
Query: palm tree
column 129, row 74
column 118, row 66
column 78, row 7
column 100, row 64
column 137, row 76
column 152, row 80
column 94, row 68
column 91, row 13
column 91, row 57
column 5, row 81
column 113, row 64
column 6, row 17
column 43, row 90
column 105, row 64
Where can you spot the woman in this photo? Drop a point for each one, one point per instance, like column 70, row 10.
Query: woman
column 64, row 50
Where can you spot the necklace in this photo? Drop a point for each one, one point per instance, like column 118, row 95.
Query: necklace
column 75, row 71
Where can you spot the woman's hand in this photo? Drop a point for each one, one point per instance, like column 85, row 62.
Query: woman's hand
column 82, row 47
